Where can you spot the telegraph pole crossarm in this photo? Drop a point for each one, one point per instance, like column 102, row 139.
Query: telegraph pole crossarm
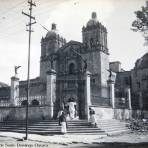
column 29, row 25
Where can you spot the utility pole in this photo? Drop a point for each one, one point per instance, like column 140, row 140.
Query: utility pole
column 29, row 25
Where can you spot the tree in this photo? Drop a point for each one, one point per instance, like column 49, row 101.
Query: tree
column 141, row 23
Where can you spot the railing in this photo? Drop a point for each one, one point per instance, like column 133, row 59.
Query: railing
column 18, row 101
column 4, row 103
column 40, row 99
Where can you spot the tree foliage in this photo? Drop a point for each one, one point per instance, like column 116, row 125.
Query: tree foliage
column 141, row 22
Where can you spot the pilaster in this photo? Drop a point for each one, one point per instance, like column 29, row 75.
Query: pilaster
column 128, row 90
column 51, row 91
column 87, row 94
column 111, row 85
column 14, row 90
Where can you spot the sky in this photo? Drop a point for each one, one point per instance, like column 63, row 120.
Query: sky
column 70, row 16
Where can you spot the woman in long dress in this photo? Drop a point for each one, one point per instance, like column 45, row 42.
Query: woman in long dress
column 92, row 119
column 63, row 123
column 72, row 109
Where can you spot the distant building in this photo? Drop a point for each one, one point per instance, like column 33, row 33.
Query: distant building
column 80, row 71
column 137, row 80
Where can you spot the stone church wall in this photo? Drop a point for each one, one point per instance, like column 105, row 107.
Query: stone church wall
column 104, row 74
column 103, row 112
column 139, row 114
column 119, row 114
column 140, row 88
column 122, row 114
column 4, row 113
column 19, row 113
column 126, row 114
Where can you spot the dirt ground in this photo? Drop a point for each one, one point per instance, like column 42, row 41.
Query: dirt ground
column 130, row 140
column 32, row 144
column 111, row 145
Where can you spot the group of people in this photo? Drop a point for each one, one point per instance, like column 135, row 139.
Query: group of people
column 70, row 109
column 63, row 119
column 67, row 112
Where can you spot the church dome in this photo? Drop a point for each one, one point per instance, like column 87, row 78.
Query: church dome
column 52, row 32
column 142, row 62
column 93, row 21
column 3, row 85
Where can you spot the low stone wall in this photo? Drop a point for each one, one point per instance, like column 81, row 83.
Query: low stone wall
column 122, row 114
column 126, row 114
column 103, row 112
column 139, row 114
column 19, row 113
column 119, row 114
column 43, row 112
column 4, row 113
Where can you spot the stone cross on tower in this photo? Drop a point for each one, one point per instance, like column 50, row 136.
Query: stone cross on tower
column 94, row 15
column 53, row 27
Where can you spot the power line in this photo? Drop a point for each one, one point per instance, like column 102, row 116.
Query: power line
column 13, row 7
column 9, row 23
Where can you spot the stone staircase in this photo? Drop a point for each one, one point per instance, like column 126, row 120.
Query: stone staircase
column 112, row 126
column 50, row 127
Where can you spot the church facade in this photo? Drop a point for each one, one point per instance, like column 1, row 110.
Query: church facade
column 80, row 71
column 71, row 60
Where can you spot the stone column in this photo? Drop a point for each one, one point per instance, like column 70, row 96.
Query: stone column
column 140, row 100
column 111, row 85
column 51, row 91
column 14, row 90
column 141, row 104
column 128, row 91
column 87, row 94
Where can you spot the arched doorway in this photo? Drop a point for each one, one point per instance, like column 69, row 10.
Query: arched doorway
column 24, row 103
column 71, row 108
column 35, row 102
column 71, row 68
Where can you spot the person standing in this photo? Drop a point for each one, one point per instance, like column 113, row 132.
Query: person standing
column 72, row 109
column 92, row 119
column 63, row 123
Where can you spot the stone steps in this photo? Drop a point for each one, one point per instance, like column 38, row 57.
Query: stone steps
column 105, row 127
column 112, row 126
column 50, row 130
column 50, row 127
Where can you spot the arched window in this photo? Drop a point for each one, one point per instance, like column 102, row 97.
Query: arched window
column 35, row 102
column 71, row 68
column 24, row 103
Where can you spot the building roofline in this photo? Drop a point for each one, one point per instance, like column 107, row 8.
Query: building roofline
column 114, row 62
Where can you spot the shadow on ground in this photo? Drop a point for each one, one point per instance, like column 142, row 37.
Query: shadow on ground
column 110, row 145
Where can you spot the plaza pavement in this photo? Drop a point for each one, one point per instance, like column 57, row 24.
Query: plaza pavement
column 133, row 137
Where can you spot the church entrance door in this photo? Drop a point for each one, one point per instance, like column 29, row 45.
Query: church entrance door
column 71, row 97
column 71, row 109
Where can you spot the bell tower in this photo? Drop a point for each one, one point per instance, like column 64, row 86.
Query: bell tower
column 49, row 46
column 94, row 38
column 95, row 34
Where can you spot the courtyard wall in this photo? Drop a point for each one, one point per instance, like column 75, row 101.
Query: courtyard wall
column 19, row 113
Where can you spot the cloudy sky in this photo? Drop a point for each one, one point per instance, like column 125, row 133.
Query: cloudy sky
column 69, row 15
